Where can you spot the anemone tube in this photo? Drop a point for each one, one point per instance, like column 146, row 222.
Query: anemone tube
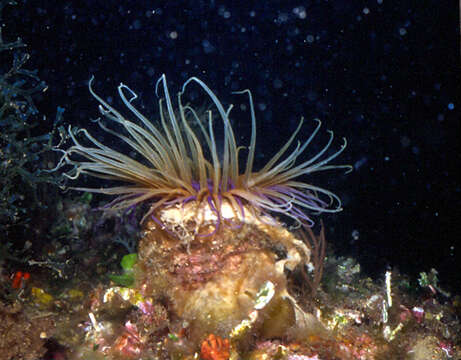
column 175, row 168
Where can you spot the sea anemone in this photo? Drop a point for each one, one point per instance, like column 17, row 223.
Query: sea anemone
column 179, row 162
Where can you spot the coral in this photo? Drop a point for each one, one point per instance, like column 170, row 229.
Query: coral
column 129, row 343
column 22, row 337
column 218, row 283
column 120, row 324
column 215, row 348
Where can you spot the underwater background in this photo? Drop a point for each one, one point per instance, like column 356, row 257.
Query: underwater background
column 79, row 283
column 383, row 74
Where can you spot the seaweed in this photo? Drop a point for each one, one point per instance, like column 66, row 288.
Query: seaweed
column 24, row 147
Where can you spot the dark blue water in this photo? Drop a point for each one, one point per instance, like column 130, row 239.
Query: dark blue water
column 383, row 74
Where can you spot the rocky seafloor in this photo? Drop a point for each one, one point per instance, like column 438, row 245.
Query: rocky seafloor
column 226, row 297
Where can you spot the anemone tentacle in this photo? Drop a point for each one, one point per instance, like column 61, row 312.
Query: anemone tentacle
column 173, row 169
